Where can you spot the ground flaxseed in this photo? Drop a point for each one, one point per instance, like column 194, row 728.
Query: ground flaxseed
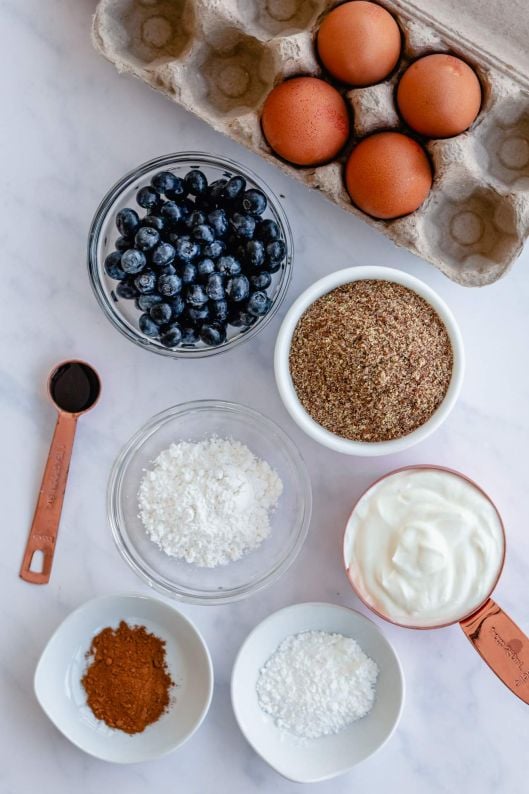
column 371, row 360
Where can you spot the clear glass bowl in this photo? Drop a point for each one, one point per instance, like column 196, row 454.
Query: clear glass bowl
column 195, row 421
column 123, row 314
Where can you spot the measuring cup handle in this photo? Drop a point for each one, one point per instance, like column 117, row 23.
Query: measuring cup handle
column 45, row 526
column 502, row 644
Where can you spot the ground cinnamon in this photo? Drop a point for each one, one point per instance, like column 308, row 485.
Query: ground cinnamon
column 127, row 682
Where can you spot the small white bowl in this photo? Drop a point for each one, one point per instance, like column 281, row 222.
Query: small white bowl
column 314, row 760
column 286, row 386
column 59, row 671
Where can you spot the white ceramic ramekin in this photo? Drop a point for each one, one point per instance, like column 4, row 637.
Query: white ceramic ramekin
column 286, row 387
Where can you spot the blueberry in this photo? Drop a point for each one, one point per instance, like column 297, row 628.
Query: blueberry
column 177, row 305
column 172, row 213
column 168, row 286
column 113, row 266
column 254, row 201
column 168, row 270
column 148, row 326
column 188, row 273
column 204, row 268
column 234, row 187
column 161, row 313
column 213, row 333
column 127, row 221
column 163, row 255
column 189, row 336
column 275, row 252
column 154, row 221
column 215, row 287
column 126, row 290
column 254, row 252
column 133, row 261
column 219, row 310
column 145, row 282
column 218, row 221
column 195, row 182
column 203, row 233
column 194, row 218
column 273, row 267
column 187, row 207
column 258, row 303
column 198, row 314
column 122, row 243
column 147, row 198
column 238, row 288
column 237, row 248
column 229, row 265
column 178, row 189
column 233, row 241
column 261, row 280
column 186, row 249
column 172, row 336
column 243, row 225
column 164, row 181
column 214, row 250
column 196, row 295
column 267, row 230
column 146, row 302
column 146, row 238
column 242, row 319
column 215, row 191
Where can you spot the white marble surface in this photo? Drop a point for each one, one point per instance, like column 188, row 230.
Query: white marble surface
column 70, row 127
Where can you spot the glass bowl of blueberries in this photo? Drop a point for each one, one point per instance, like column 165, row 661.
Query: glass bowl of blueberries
column 190, row 254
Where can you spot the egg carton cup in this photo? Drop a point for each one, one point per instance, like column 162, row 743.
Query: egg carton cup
column 220, row 58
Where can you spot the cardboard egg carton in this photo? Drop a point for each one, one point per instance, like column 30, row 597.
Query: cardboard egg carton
column 220, row 58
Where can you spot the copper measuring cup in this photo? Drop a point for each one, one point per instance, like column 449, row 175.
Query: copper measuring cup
column 74, row 388
column 497, row 638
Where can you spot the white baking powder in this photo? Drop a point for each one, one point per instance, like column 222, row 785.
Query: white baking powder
column 208, row 502
column 316, row 684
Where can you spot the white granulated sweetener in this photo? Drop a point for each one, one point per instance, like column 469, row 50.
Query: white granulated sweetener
column 316, row 684
column 208, row 502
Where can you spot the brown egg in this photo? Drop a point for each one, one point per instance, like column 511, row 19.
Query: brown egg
column 305, row 121
column 388, row 175
column 439, row 96
column 359, row 43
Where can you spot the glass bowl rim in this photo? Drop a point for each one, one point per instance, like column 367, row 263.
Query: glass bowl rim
column 120, row 535
column 101, row 215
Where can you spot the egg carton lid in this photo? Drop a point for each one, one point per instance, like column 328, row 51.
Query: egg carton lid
column 495, row 30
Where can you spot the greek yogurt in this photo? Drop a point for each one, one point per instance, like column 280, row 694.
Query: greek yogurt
column 424, row 547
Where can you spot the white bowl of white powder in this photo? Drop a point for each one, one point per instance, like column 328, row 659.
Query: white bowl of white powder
column 209, row 502
column 316, row 689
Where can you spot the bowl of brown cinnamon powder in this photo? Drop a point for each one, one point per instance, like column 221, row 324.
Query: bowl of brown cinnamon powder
column 126, row 678
column 369, row 361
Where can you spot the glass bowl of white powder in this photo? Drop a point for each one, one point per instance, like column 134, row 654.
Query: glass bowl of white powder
column 209, row 502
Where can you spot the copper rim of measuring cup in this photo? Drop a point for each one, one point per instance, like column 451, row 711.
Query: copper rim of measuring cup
column 476, row 609
column 56, row 368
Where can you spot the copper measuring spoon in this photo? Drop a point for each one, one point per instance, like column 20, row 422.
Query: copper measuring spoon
column 493, row 634
column 74, row 388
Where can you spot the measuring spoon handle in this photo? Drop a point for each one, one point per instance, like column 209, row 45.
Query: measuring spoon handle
column 45, row 526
